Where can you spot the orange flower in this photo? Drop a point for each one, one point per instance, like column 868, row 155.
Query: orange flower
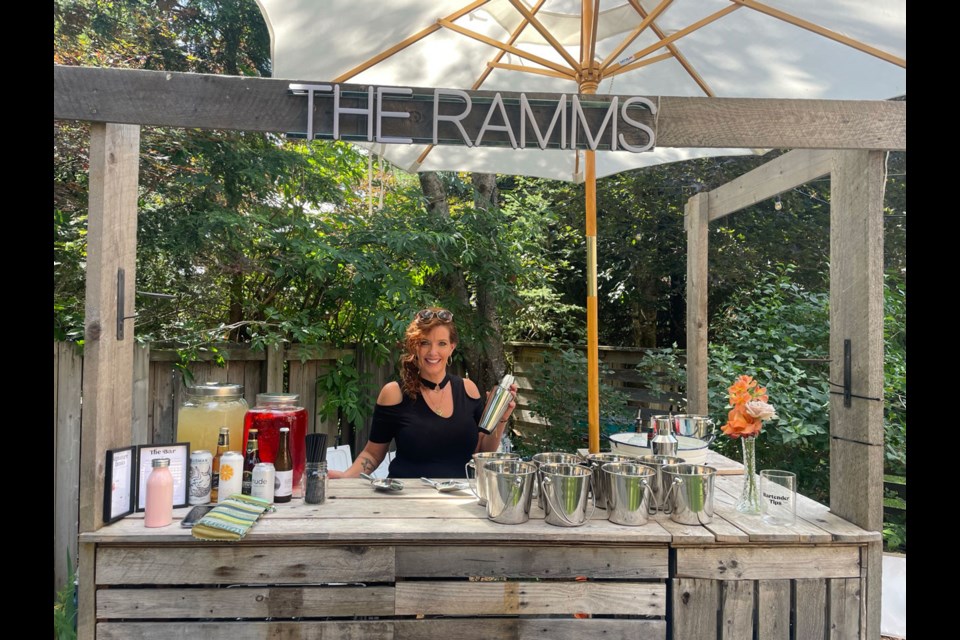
column 740, row 424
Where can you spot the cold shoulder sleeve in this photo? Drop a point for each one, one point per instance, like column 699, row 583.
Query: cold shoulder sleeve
column 386, row 419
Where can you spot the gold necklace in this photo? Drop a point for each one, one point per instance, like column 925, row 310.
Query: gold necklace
column 437, row 393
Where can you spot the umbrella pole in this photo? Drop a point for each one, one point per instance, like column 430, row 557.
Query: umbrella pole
column 593, row 358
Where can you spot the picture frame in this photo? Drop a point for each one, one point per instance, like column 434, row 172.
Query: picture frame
column 119, row 484
column 179, row 455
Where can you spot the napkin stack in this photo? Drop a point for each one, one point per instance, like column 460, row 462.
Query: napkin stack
column 232, row 518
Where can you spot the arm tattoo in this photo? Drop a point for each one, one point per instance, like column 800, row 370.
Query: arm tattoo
column 366, row 463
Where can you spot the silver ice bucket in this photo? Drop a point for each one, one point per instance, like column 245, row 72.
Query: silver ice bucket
column 509, row 490
column 689, row 498
column 630, row 500
column 566, row 492
column 477, row 464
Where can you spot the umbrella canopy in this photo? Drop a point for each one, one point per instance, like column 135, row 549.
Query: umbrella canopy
column 843, row 49
column 846, row 49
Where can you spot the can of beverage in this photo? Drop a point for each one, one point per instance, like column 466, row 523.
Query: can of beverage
column 231, row 475
column 201, row 463
column 262, row 485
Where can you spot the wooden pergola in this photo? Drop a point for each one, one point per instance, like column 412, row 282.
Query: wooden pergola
column 844, row 139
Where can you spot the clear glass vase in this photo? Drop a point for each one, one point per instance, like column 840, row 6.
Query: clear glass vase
column 749, row 501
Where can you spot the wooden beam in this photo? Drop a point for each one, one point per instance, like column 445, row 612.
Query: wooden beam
column 108, row 360
column 67, row 374
column 697, row 226
column 189, row 100
column 780, row 174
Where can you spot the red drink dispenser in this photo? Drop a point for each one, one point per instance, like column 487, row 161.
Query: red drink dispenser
column 273, row 411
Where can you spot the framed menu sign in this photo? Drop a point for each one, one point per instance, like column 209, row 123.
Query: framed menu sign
column 119, row 484
column 178, row 453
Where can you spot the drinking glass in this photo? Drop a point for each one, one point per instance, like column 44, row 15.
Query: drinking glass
column 778, row 497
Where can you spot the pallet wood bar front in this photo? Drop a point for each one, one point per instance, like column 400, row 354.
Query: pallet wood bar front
column 422, row 565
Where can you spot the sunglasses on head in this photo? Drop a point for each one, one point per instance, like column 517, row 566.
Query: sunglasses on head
column 426, row 315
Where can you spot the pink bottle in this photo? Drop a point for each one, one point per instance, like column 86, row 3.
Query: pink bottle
column 159, row 506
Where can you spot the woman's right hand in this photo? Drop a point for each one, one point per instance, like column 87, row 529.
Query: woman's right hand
column 333, row 474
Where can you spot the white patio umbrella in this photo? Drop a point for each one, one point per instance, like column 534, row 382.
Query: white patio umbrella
column 842, row 49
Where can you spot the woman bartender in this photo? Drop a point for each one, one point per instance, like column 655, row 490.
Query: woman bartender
column 432, row 415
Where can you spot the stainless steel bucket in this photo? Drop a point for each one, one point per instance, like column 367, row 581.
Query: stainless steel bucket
column 689, row 498
column 547, row 458
column 509, row 490
column 601, row 484
column 566, row 492
column 693, row 426
column 630, row 500
column 477, row 463
column 659, row 483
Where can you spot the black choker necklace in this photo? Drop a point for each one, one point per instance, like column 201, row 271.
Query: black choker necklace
column 435, row 385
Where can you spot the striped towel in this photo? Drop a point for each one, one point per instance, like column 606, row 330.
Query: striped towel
column 232, row 518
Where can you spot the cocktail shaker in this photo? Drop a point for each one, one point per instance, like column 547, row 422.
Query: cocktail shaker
column 497, row 405
column 664, row 443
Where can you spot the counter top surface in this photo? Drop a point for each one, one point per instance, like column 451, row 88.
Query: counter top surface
column 355, row 513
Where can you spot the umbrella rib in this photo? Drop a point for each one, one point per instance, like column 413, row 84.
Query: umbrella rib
column 588, row 32
column 637, row 65
column 823, row 31
column 647, row 21
column 536, row 70
column 617, row 68
column 505, row 47
column 519, row 6
column 403, row 44
column 672, row 48
column 510, row 41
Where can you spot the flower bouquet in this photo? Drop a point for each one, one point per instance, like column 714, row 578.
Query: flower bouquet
column 748, row 409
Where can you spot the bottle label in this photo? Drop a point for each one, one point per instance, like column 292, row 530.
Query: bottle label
column 283, row 486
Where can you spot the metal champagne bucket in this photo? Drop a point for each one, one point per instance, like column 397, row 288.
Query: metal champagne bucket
column 509, row 490
column 659, row 483
column 595, row 462
column 547, row 458
column 700, row 427
column 477, row 464
column 630, row 500
column 566, row 491
column 689, row 498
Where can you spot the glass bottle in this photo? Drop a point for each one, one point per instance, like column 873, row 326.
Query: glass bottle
column 251, row 460
column 158, row 511
column 223, row 445
column 206, row 408
column 273, row 411
column 284, row 467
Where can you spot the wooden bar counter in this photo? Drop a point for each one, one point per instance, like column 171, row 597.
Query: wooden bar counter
column 419, row 564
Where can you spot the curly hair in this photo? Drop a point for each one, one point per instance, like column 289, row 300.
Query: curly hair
column 416, row 330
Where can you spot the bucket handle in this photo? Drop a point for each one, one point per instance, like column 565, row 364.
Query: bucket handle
column 472, row 465
column 517, row 481
column 593, row 498
column 665, row 504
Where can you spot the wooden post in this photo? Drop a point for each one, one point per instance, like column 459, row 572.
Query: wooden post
column 67, row 376
column 856, row 351
column 108, row 361
column 275, row 369
column 697, row 226
column 140, row 429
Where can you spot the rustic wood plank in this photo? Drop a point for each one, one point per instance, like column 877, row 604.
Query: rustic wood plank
column 856, row 297
column 844, row 597
column 529, row 629
column 208, row 101
column 736, row 610
column 684, row 533
column 163, row 418
column 725, row 499
column 871, row 584
column 781, row 174
column 534, row 562
column 68, row 378
column 86, row 593
column 810, row 617
column 108, row 361
column 246, row 630
column 841, row 530
column 140, row 428
column 773, row 610
column 229, row 352
column 760, row 562
column 274, row 369
column 696, row 223
column 857, row 466
column 243, row 564
column 694, row 608
column 781, row 124
column 530, row 598
column 254, row 602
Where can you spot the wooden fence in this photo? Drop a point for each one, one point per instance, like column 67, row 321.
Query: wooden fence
column 158, row 389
